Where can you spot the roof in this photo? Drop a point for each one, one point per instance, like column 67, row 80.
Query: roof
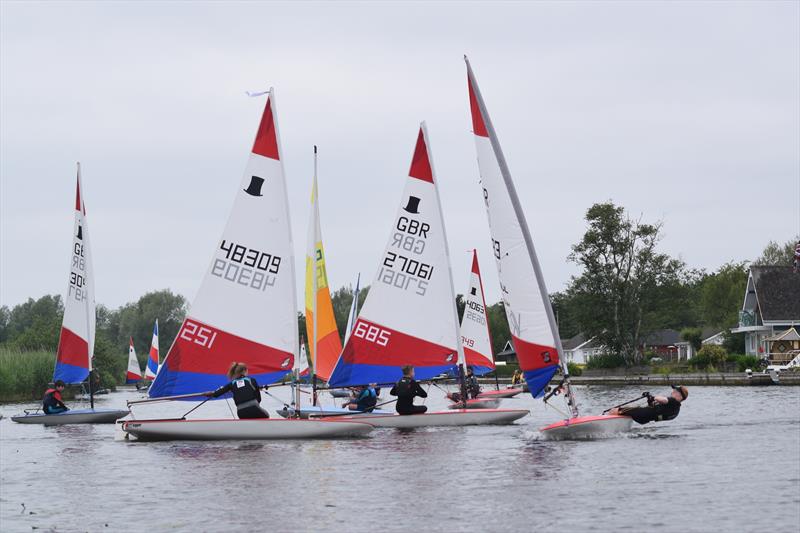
column 787, row 335
column 664, row 337
column 778, row 292
column 574, row 342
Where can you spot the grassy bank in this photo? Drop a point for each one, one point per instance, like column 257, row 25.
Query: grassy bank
column 24, row 375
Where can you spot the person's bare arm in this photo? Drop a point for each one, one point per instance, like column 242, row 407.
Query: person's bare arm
column 660, row 399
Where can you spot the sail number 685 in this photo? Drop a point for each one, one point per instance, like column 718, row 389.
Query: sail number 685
column 372, row 333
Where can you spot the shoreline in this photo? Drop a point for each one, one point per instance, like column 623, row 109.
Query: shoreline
column 718, row 379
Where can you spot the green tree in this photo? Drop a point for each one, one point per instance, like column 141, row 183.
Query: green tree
column 693, row 336
column 35, row 324
column 720, row 295
column 778, row 254
column 625, row 279
column 566, row 313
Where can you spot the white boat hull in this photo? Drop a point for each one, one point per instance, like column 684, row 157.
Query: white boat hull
column 75, row 416
column 230, row 429
column 320, row 411
column 461, row 417
column 587, row 427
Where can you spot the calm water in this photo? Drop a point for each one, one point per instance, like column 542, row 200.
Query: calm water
column 730, row 462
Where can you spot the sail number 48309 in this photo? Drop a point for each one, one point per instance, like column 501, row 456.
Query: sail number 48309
column 372, row 333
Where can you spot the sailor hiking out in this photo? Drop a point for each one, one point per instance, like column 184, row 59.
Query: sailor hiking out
column 659, row 408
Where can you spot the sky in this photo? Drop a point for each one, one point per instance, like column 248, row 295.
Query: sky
column 683, row 112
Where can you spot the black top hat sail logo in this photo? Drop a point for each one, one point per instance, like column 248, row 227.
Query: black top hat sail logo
column 254, row 189
column 80, row 232
column 412, row 206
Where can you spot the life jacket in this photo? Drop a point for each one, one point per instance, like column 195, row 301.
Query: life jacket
column 367, row 399
column 244, row 390
column 667, row 411
column 51, row 397
column 404, row 387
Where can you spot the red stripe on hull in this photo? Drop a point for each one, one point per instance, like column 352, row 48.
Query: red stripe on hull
column 207, row 350
column 393, row 348
column 266, row 142
column 534, row 356
column 72, row 349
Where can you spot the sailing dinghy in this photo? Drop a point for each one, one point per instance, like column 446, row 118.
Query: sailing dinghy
column 527, row 304
column 152, row 359
column 134, row 373
column 245, row 311
column 410, row 315
column 76, row 343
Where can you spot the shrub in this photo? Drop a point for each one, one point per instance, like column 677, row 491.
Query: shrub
column 574, row 369
column 709, row 356
column 25, row 375
column 606, row 360
column 743, row 362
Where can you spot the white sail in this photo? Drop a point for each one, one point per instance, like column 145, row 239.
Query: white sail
column 246, row 308
column 523, row 292
column 134, row 373
column 76, row 342
column 353, row 314
column 475, row 324
column 409, row 316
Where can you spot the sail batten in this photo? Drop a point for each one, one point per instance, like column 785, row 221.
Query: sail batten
column 409, row 316
column 245, row 310
column 530, row 316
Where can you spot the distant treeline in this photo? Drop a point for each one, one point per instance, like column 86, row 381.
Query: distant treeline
column 626, row 290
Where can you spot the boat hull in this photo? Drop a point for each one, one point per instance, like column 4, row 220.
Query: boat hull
column 502, row 393
column 306, row 412
column 461, row 417
column 587, row 427
column 75, row 416
column 230, row 429
column 477, row 403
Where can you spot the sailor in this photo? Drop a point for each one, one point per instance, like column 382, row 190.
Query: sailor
column 406, row 390
column 246, row 392
column 473, row 387
column 516, row 379
column 659, row 408
column 52, row 403
column 365, row 399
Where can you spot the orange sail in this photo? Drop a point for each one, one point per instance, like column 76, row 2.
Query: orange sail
column 323, row 335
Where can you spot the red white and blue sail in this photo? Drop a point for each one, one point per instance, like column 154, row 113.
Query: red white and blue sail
column 134, row 373
column 523, row 291
column 246, row 308
column 76, row 342
column 475, row 334
column 409, row 315
column 152, row 359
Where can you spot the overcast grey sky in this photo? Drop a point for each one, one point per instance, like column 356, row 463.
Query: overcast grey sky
column 686, row 112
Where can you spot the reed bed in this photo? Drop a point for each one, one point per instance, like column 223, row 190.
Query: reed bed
column 24, row 375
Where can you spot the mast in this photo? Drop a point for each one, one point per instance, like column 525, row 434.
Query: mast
column 512, row 193
column 314, row 282
column 90, row 295
column 459, row 343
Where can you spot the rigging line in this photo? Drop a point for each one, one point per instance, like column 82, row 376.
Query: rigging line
column 228, row 403
column 557, row 409
column 284, row 404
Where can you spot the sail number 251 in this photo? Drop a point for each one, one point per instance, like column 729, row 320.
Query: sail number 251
column 202, row 335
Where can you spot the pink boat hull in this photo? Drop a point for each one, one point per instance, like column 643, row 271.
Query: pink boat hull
column 502, row 393
column 587, row 427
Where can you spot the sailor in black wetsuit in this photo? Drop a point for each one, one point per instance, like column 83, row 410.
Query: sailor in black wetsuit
column 659, row 408
column 406, row 390
column 473, row 387
column 246, row 393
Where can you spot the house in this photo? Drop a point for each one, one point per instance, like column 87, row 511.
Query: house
column 506, row 355
column 579, row 349
column 771, row 309
column 669, row 344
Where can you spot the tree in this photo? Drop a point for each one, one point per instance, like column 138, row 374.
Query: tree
column 625, row 280
column 566, row 313
column 777, row 254
column 693, row 336
column 720, row 295
column 35, row 324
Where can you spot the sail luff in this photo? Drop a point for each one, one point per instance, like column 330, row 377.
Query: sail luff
column 315, row 270
column 351, row 318
column 457, row 331
column 512, row 192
